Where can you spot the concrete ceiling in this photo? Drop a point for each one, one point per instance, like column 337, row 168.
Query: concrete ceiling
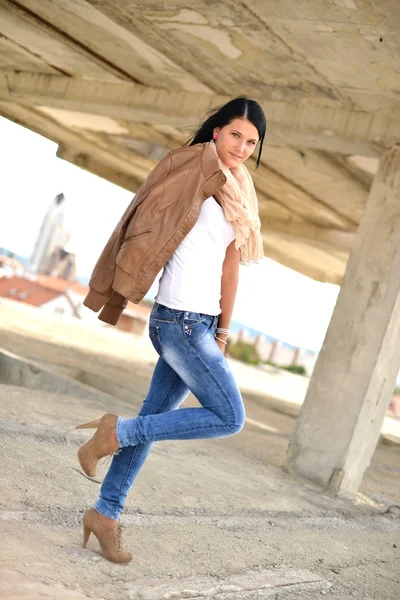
column 116, row 84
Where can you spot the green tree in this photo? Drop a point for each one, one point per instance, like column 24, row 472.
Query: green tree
column 245, row 352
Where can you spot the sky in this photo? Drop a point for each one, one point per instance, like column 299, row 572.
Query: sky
column 271, row 298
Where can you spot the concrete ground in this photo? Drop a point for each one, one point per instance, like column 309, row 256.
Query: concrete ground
column 205, row 519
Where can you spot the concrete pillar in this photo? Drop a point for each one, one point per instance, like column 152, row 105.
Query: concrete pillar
column 353, row 381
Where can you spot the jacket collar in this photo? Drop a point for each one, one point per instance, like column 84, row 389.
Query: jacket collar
column 209, row 162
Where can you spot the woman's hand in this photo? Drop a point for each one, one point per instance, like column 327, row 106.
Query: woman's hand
column 221, row 346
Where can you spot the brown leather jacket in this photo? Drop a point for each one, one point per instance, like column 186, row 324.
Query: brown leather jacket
column 162, row 213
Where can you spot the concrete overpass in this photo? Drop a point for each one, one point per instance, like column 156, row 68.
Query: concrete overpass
column 116, row 84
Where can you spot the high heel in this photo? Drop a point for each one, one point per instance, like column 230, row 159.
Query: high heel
column 102, row 443
column 91, row 425
column 109, row 538
column 86, row 535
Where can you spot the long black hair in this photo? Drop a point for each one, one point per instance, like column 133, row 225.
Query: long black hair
column 238, row 108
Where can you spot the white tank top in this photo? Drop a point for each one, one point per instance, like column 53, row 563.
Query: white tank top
column 191, row 279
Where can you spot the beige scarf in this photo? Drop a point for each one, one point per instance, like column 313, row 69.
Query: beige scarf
column 239, row 202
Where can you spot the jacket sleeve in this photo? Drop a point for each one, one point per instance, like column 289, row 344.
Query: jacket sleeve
column 101, row 293
column 113, row 309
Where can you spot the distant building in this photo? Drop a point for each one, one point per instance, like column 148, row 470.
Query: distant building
column 273, row 350
column 135, row 319
column 54, row 295
column 10, row 266
column 50, row 243
column 61, row 264
column 57, row 296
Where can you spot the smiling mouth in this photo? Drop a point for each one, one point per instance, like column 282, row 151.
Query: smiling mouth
column 235, row 156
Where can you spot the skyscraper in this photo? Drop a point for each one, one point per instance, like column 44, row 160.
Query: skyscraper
column 52, row 234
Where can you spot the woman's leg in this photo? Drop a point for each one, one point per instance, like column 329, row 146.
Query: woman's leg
column 188, row 346
column 167, row 391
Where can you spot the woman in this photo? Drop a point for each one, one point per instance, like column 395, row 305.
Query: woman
column 196, row 215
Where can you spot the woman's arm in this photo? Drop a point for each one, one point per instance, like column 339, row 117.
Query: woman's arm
column 229, row 283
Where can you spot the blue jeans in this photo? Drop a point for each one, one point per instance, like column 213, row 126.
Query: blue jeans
column 189, row 360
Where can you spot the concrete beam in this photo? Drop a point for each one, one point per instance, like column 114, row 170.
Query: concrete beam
column 334, row 238
column 131, row 55
column 89, row 163
column 302, row 263
column 105, row 158
column 111, row 156
column 269, row 183
column 127, row 168
column 49, row 46
column 304, row 123
column 298, row 200
column 325, row 176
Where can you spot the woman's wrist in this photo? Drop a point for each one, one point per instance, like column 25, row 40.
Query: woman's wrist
column 222, row 331
column 223, row 336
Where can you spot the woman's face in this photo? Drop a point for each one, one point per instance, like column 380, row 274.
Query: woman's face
column 236, row 142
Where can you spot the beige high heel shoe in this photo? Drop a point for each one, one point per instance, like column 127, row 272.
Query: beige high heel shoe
column 91, row 425
column 103, row 443
column 109, row 538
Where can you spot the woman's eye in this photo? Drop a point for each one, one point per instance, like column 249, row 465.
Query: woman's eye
column 236, row 134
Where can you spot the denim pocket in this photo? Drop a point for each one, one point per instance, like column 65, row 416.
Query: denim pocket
column 193, row 319
column 161, row 320
column 154, row 334
column 162, row 314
